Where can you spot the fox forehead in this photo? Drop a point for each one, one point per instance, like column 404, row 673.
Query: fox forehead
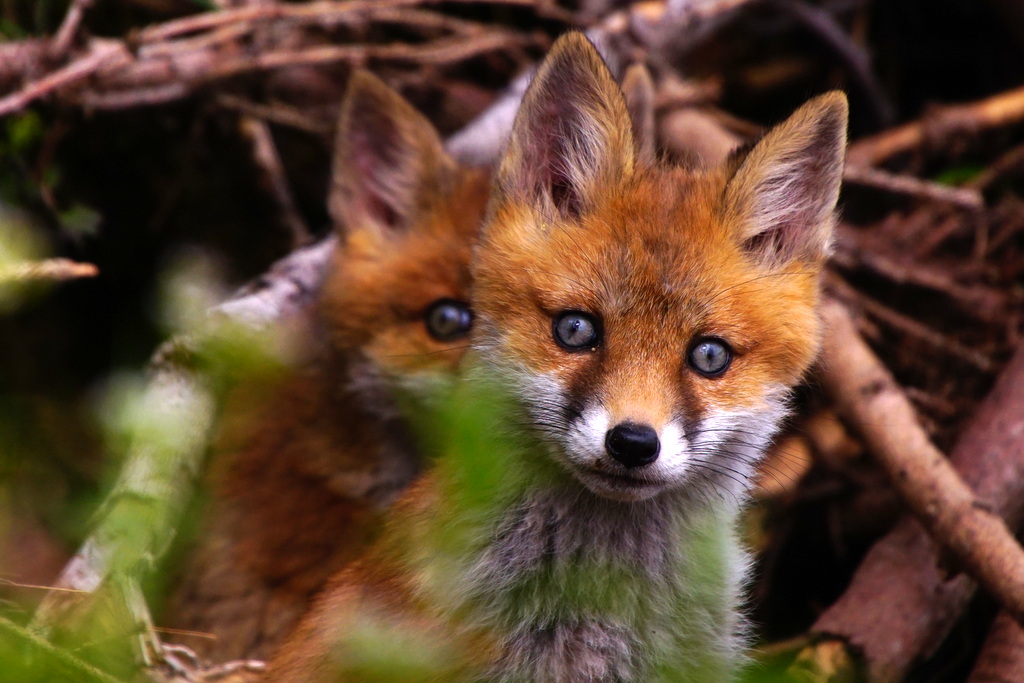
column 654, row 261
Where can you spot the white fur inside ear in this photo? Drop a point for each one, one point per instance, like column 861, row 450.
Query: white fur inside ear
column 572, row 135
column 781, row 200
column 389, row 160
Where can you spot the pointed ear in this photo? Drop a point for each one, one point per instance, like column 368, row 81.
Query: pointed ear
column 389, row 162
column 572, row 136
column 638, row 89
column 781, row 199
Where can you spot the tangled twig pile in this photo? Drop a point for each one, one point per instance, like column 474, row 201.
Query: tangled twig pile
column 929, row 275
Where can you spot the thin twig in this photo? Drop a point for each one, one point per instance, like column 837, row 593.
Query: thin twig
column 325, row 12
column 982, row 302
column 825, row 26
column 280, row 114
column 102, row 53
column 68, row 28
column 965, row 198
column 1004, row 109
column 264, row 152
column 49, row 269
column 438, row 52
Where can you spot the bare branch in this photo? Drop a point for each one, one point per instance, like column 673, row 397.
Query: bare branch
column 1002, row 657
column 265, row 154
column 965, row 198
column 868, row 398
column 48, row 269
column 995, row 112
column 901, row 603
column 66, row 33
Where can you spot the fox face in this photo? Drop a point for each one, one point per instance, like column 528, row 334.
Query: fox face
column 407, row 214
column 650, row 320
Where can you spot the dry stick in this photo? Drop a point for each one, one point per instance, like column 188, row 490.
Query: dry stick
column 66, row 33
column 913, row 328
column 901, row 604
column 868, row 398
column 1002, row 656
column 980, row 301
column 1003, row 109
column 170, row 77
column 318, row 11
column 265, row 154
column 280, row 114
column 102, row 53
column 159, row 69
column 825, row 26
column 965, row 198
column 48, row 269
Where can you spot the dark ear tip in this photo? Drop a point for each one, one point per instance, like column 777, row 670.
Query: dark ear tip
column 574, row 48
column 364, row 87
column 571, row 40
column 832, row 107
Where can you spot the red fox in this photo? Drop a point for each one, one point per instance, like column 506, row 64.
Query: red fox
column 302, row 470
column 637, row 330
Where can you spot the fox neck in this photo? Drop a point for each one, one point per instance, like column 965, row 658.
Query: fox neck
column 571, row 585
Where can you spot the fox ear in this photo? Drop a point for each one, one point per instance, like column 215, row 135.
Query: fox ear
column 638, row 89
column 389, row 161
column 572, row 135
column 781, row 199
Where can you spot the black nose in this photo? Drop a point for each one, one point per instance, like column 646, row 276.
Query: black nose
column 632, row 445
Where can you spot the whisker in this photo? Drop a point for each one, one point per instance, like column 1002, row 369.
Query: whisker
column 429, row 353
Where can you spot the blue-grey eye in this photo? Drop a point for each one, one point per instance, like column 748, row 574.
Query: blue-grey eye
column 710, row 356
column 575, row 330
column 447, row 319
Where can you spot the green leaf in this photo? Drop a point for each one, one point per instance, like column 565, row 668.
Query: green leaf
column 959, row 175
column 23, row 131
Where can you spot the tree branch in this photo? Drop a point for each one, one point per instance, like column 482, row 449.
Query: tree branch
column 901, row 603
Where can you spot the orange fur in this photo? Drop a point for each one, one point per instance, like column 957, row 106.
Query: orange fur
column 304, row 465
column 660, row 258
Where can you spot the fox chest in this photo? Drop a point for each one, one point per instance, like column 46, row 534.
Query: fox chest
column 584, row 590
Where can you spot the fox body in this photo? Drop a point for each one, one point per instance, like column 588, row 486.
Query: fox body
column 638, row 328
column 303, row 467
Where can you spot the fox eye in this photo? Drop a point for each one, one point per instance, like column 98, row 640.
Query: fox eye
column 575, row 330
column 447, row 319
column 710, row 356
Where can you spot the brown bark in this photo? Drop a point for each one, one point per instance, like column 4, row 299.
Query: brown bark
column 1002, row 657
column 943, row 122
column 901, row 603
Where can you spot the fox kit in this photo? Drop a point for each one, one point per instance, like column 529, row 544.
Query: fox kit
column 303, row 469
column 638, row 328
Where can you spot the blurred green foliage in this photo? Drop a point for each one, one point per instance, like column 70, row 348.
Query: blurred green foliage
column 959, row 175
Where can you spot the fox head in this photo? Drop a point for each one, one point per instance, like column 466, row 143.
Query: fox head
column 651, row 319
column 406, row 214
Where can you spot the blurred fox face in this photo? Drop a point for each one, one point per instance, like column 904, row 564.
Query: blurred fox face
column 398, row 290
column 652, row 320
column 403, row 300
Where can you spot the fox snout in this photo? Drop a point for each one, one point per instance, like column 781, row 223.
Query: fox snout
column 632, row 445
